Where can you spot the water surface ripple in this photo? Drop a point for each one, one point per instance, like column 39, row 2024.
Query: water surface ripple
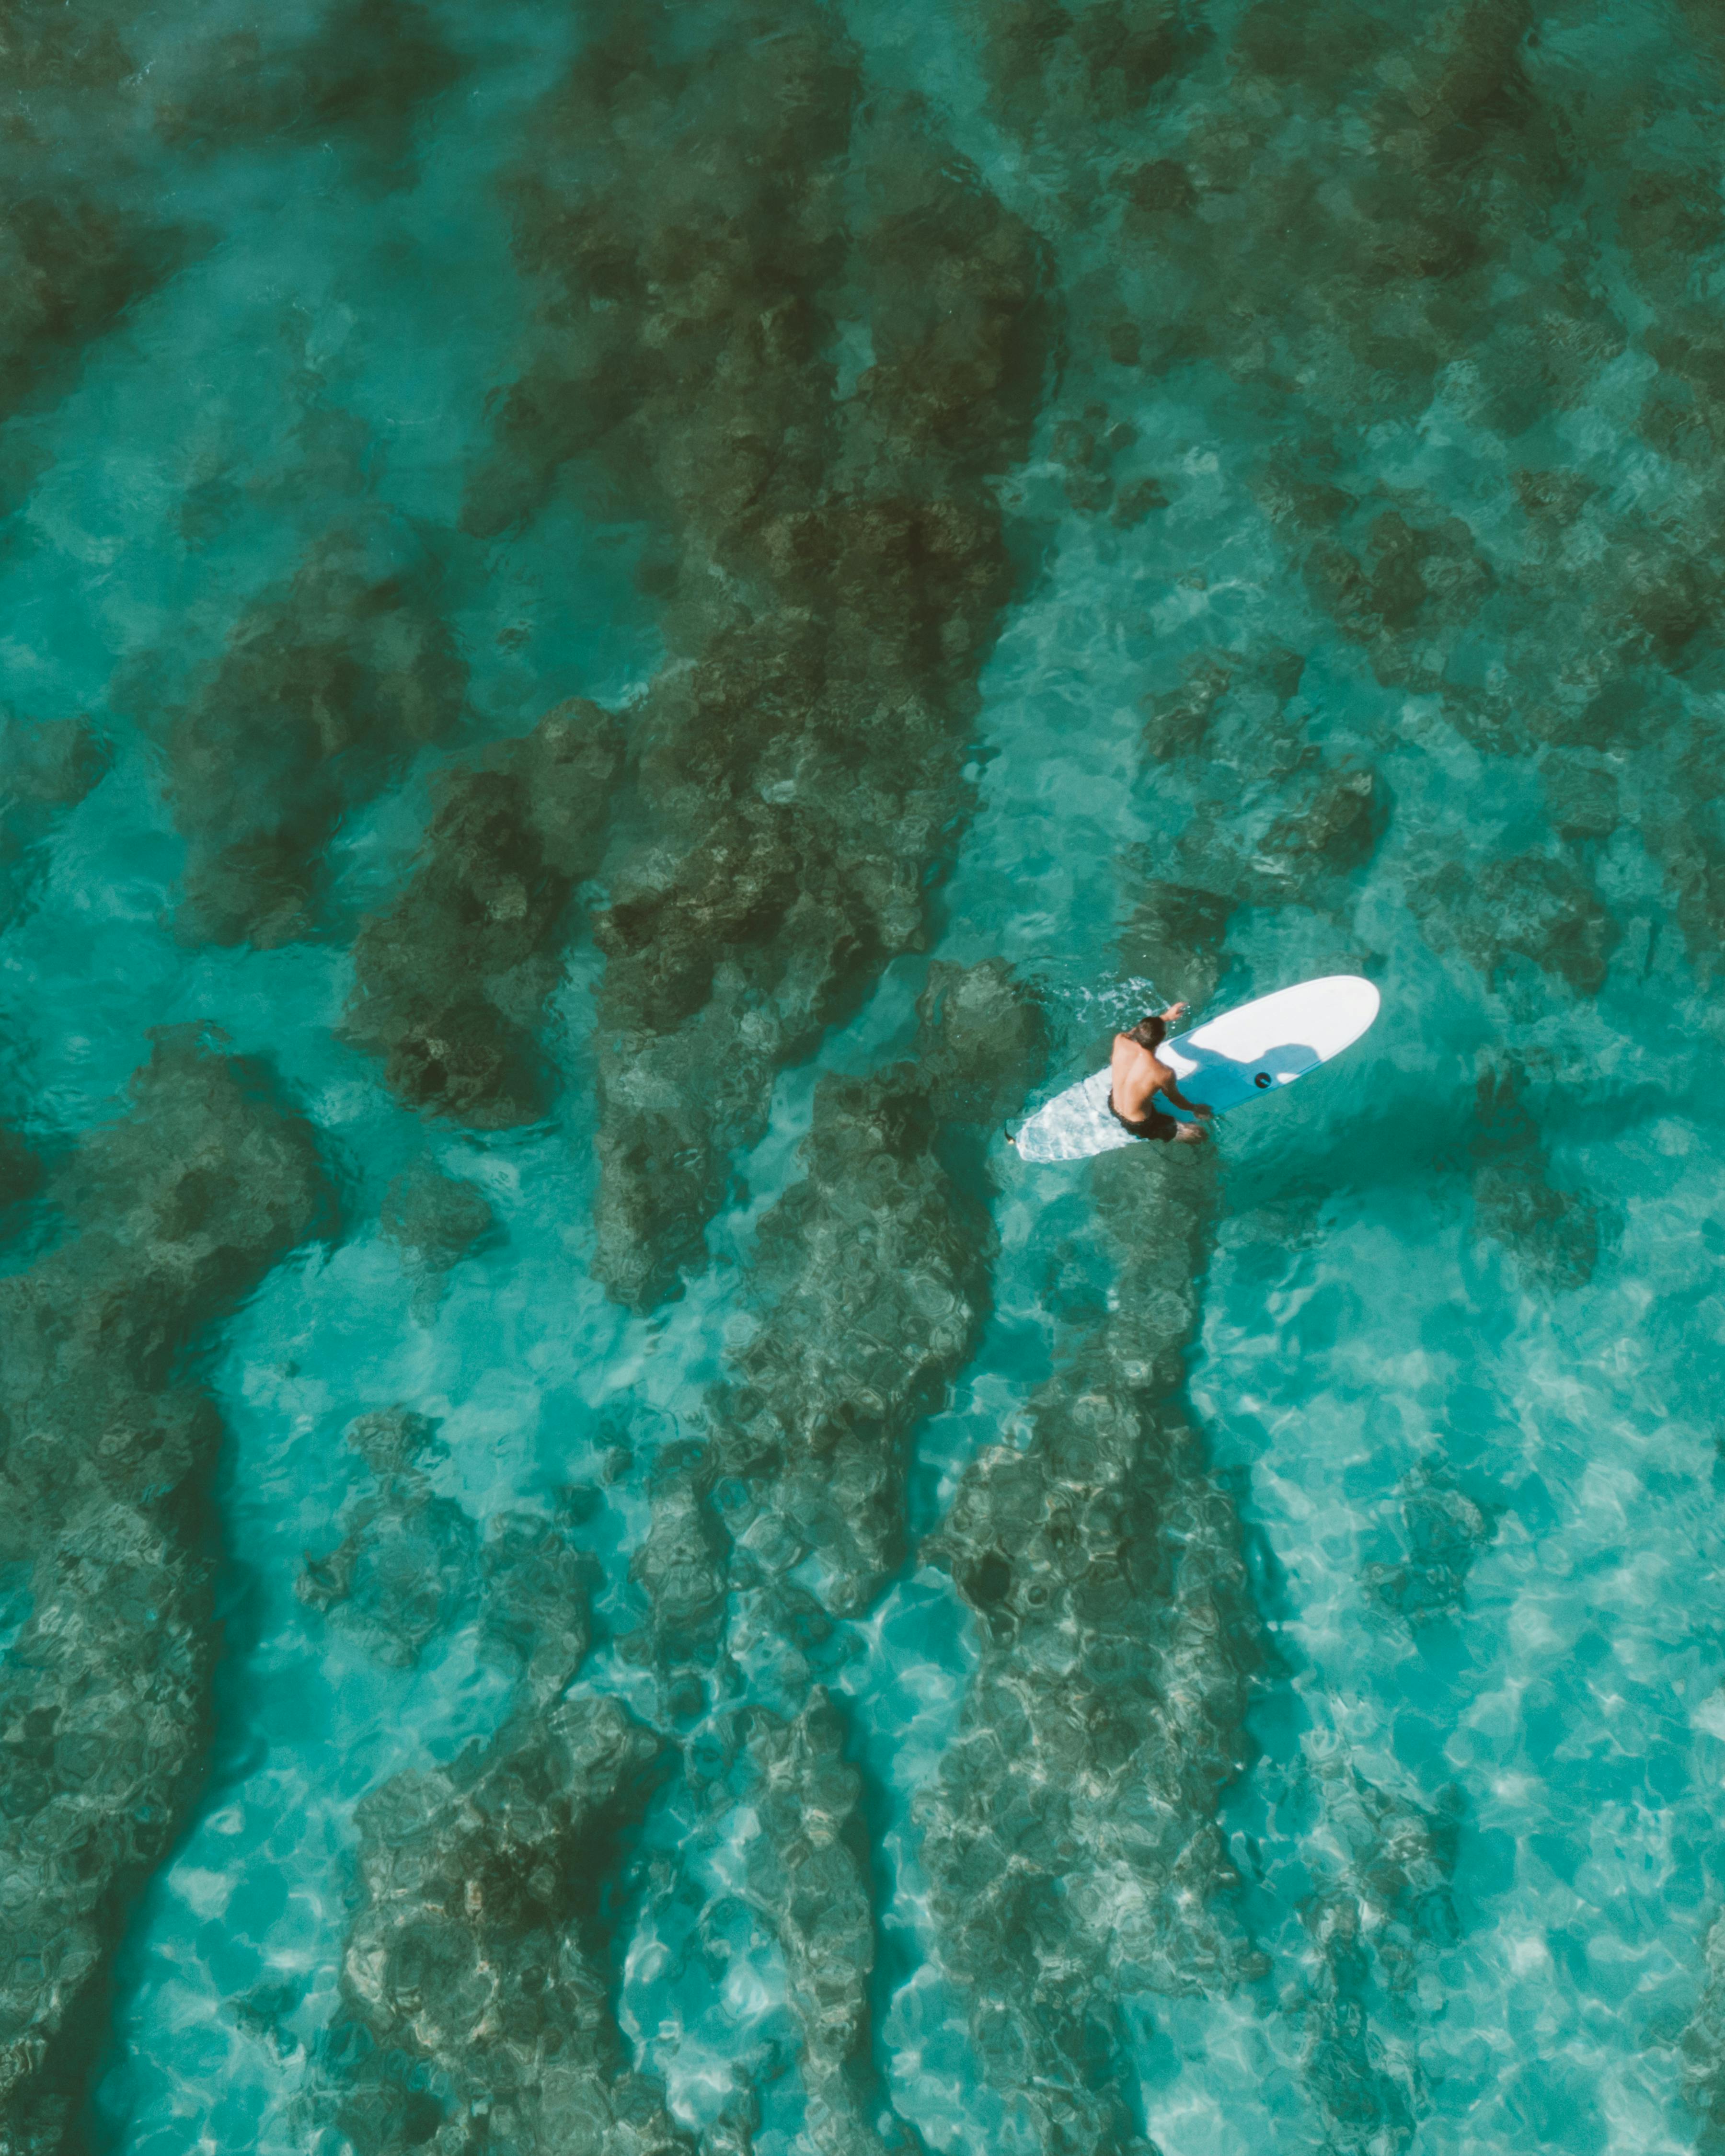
column 630, row 630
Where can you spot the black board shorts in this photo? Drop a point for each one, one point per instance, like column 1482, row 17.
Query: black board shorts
column 1155, row 1125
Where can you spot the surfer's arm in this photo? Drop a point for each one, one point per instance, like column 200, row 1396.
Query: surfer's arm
column 1172, row 1092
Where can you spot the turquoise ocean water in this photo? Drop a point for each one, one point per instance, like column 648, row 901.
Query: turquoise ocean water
column 624, row 632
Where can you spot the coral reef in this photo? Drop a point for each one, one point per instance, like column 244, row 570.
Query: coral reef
column 682, row 1566
column 1382, row 1899
column 73, row 263
column 327, row 687
column 172, row 1216
column 475, row 1987
column 78, row 246
column 810, row 1869
column 435, row 1220
column 1444, row 1530
column 405, row 1565
column 45, row 769
column 1554, row 1233
column 1070, row 1841
column 536, row 1617
column 874, row 1270
column 48, row 50
column 438, row 1218
column 1275, row 821
column 452, row 979
column 410, row 1568
column 1433, row 254
column 1704, row 2046
column 873, row 1273
column 802, row 780
column 1049, row 66
column 877, row 1266
column 361, row 80
column 705, row 223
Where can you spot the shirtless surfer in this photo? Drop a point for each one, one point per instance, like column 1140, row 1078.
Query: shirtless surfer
column 1137, row 1075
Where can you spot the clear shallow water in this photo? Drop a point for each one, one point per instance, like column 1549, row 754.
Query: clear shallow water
column 1348, row 383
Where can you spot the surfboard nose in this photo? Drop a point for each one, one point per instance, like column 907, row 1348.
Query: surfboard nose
column 1353, row 999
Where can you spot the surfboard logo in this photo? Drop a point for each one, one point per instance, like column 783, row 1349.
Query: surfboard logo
column 1262, row 1078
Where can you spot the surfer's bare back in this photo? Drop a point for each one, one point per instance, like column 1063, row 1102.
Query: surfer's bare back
column 1137, row 1075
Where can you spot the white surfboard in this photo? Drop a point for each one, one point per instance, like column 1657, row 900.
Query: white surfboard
column 1244, row 1055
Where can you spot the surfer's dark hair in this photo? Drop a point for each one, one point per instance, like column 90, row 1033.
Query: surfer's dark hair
column 1149, row 1032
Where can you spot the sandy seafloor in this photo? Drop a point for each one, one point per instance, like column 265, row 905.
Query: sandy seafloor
column 1356, row 471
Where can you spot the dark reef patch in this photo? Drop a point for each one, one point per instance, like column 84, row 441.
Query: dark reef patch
column 325, row 689
column 71, row 265
column 1553, row 1234
column 406, row 1565
column 1541, row 909
column 874, row 1270
column 361, row 79
column 1275, row 820
column 713, row 228
column 475, row 1987
column 172, row 1217
column 436, row 1220
column 872, row 1273
column 410, row 1568
column 682, row 1566
column 1384, row 1901
column 49, row 48
column 536, row 1615
column 1070, row 1840
column 452, row 980
column 45, row 769
column 1443, row 1530
column 1050, row 65
column 811, row 1869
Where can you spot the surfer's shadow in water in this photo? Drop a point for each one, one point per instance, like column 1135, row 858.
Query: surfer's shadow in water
column 1222, row 1081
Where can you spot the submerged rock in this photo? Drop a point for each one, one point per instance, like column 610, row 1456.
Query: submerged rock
column 807, row 777
column 810, row 1867
column 1276, row 821
column 171, row 1216
column 438, row 1218
column 1703, row 2044
column 1541, row 909
column 361, row 80
column 325, row 689
column 452, row 980
column 1382, row 1901
column 537, row 1617
column 73, row 262
column 839, row 568
column 874, row 1271
column 876, row 1264
column 405, row 1568
column 45, row 769
column 410, row 1568
column 1444, row 1530
column 1070, row 1840
column 1553, row 1234
column 682, row 1565
column 475, row 1985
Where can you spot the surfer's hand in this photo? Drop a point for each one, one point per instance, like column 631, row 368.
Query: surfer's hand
column 1199, row 1108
